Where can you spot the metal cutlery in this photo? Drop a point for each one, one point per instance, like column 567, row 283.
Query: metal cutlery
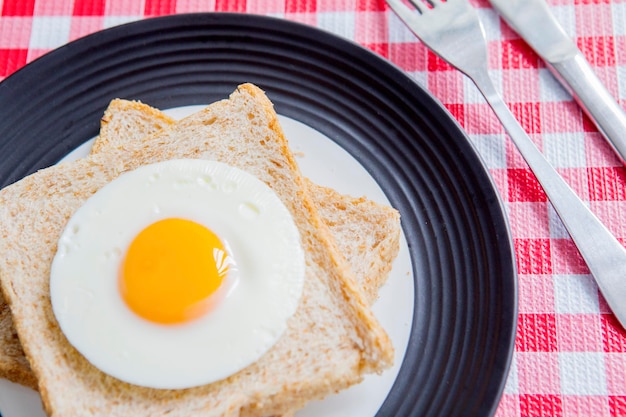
column 453, row 31
column 568, row 64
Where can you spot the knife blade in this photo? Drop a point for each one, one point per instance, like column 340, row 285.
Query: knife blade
column 535, row 23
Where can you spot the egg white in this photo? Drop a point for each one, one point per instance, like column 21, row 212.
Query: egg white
column 242, row 210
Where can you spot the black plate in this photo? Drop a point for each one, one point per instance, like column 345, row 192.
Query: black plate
column 465, row 312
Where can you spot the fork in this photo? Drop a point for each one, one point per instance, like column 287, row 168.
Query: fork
column 452, row 30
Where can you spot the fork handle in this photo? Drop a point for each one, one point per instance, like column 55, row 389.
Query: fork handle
column 603, row 253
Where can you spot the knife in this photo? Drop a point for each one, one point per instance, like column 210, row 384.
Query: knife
column 533, row 20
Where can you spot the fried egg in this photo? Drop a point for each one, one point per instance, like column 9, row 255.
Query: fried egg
column 177, row 274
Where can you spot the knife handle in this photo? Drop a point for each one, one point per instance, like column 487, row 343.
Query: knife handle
column 577, row 76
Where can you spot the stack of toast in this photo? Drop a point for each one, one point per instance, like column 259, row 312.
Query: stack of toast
column 331, row 342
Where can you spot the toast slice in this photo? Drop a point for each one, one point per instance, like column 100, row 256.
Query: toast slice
column 331, row 341
column 366, row 233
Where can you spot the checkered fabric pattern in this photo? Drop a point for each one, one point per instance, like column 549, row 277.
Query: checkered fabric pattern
column 570, row 352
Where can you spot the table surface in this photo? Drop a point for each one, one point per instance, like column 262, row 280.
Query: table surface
column 570, row 352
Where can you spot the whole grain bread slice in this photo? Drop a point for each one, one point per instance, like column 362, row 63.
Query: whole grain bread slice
column 366, row 233
column 331, row 341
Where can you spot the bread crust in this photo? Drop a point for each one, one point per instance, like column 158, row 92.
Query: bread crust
column 333, row 320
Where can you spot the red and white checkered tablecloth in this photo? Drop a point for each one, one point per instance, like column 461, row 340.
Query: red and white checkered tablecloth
column 570, row 352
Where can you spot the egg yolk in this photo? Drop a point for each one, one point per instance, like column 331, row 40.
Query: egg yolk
column 171, row 269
